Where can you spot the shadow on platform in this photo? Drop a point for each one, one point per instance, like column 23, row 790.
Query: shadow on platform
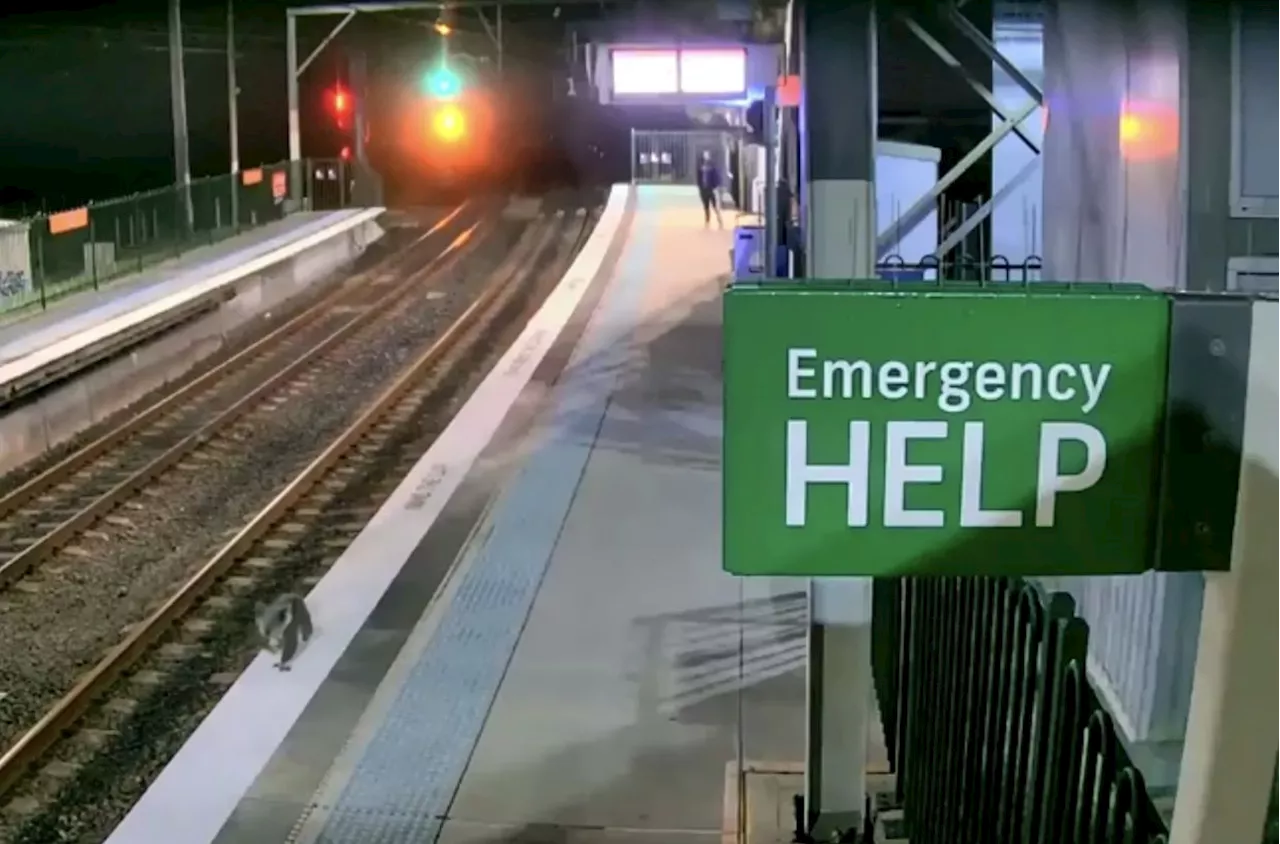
column 709, row 679
column 663, row 382
column 694, row 659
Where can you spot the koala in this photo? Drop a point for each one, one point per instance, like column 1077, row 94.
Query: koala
column 284, row 625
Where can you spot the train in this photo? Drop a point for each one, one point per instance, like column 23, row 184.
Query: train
column 430, row 150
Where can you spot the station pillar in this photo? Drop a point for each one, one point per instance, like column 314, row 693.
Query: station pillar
column 838, row 121
column 838, row 116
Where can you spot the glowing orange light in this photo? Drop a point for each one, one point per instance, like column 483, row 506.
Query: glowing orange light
column 443, row 28
column 448, row 123
column 1130, row 129
column 1148, row 131
column 340, row 101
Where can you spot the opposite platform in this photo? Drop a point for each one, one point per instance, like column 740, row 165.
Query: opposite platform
column 86, row 312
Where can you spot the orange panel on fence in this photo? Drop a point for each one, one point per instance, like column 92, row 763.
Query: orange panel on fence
column 788, row 91
column 251, row 177
column 67, row 221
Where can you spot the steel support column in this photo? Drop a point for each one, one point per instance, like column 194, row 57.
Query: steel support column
column 233, row 108
column 357, row 78
column 838, row 128
column 838, row 117
column 178, row 97
column 295, row 122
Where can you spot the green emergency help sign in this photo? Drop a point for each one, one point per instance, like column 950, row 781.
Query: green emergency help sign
column 884, row 432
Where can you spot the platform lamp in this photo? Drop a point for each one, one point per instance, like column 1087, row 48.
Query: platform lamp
column 444, row 22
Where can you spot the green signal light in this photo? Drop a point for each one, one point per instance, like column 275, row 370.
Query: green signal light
column 443, row 83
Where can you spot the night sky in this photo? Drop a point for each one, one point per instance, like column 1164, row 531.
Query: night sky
column 87, row 89
column 87, row 98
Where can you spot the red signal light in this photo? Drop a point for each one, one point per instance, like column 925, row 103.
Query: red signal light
column 340, row 104
column 345, row 155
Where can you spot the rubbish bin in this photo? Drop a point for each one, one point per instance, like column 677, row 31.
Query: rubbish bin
column 748, row 253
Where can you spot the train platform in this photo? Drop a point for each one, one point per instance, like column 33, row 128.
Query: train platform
column 82, row 320
column 533, row 640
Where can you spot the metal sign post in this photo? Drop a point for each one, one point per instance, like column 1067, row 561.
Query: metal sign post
column 770, row 183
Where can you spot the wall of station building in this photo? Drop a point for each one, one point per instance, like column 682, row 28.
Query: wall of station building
column 1092, row 213
column 1112, row 183
column 1232, row 130
column 1156, row 167
column 1082, row 205
column 1113, row 179
column 1110, row 186
column 1158, row 145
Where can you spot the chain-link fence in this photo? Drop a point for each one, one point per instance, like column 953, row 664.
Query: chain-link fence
column 50, row 256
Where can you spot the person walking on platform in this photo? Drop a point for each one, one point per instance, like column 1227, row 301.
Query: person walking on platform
column 709, row 188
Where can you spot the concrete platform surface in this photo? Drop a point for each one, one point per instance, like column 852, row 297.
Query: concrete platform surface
column 622, row 703
column 588, row 670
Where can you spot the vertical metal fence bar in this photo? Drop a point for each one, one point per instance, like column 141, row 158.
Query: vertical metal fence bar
column 996, row 735
column 903, row 766
column 1024, row 707
column 995, row 714
column 913, row 749
column 953, row 665
column 927, row 799
column 1009, row 743
column 634, row 162
column 920, row 799
column 974, row 674
column 977, row 653
column 1067, row 729
column 1033, row 796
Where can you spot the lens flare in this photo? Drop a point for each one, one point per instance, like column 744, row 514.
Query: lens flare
column 443, row 84
column 448, row 123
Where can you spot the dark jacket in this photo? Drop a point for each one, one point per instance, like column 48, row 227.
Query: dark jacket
column 708, row 176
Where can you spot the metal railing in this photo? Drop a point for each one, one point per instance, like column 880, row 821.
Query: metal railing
column 992, row 727
column 51, row 256
column 672, row 156
column 958, row 268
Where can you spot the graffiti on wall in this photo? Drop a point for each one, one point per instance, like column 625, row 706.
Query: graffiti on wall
column 13, row 283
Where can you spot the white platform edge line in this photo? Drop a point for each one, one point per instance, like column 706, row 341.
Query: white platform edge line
column 68, row 346
column 199, row 789
column 316, row 816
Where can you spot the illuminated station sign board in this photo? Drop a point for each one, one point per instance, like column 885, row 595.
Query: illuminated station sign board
column 693, row 72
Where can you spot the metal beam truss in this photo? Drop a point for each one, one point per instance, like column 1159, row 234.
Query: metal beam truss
column 892, row 234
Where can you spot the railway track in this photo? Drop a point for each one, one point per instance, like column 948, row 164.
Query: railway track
column 49, row 510
column 135, row 705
